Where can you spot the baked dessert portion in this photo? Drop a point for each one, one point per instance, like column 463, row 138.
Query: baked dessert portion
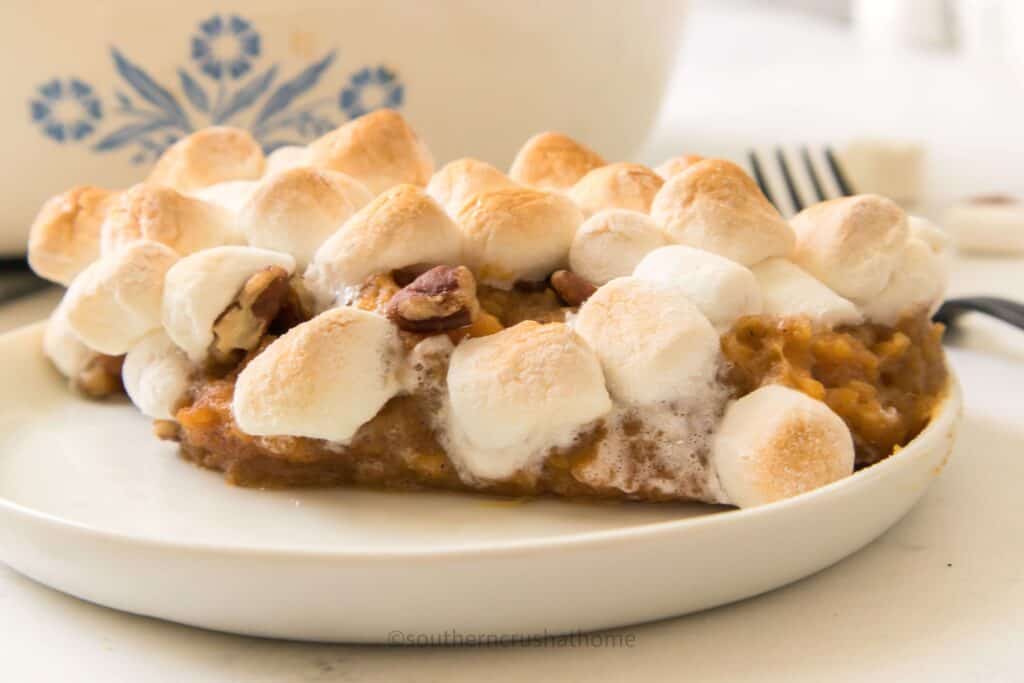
column 343, row 314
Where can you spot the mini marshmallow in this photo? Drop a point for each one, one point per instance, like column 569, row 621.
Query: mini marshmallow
column 322, row 379
column 918, row 283
column 401, row 227
column 676, row 165
column 554, row 162
column 517, row 393
column 116, row 301
column 653, row 342
column 286, row 158
column 208, row 157
column 616, row 186
column 610, row 243
column 937, row 239
column 230, row 195
column 715, row 206
column 852, row 244
column 62, row 346
column 775, row 443
column 517, row 234
column 65, row 236
column 199, row 287
column 296, row 210
column 458, row 180
column 160, row 214
column 789, row 291
column 987, row 225
column 378, row 149
column 723, row 290
column 156, row 376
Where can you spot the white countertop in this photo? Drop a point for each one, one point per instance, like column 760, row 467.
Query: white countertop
column 940, row 597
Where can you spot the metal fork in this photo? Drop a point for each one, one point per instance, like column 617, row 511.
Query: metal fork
column 792, row 180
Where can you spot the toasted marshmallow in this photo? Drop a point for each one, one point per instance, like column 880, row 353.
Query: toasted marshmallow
column 65, row 236
column 160, row 214
column 286, row 158
column 458, row 180
column 115, row 302
column 296, row 210
column 517, row 234
column 776, row 443
column 156, row 375
column 62, row 346
column 723, row 290
column 322, row 379
column 610, row 243
column 653, row 342
column 937, row 239
column 917, row 284
column 208, row 157
column 198, row 288
column 788, row 291
column 676, row 165
column 715, row 206
column 518, row 393
column 554, row 162
column 400, row 227
column 378, row 149
column 616, row 186
column 851, row 244
column 230, row 195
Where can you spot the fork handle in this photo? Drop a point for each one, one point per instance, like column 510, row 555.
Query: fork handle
column 1011, row 312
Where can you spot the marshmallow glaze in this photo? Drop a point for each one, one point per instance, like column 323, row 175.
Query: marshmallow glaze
column 723, row 290
column 459, row 180
column 775, row 443
column 322, row 379
column 516, row 394
column 207, row 157
column 653, row 342
column 201, row 286
column 616, row 186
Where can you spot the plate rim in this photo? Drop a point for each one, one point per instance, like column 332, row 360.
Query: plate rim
column 945, row 418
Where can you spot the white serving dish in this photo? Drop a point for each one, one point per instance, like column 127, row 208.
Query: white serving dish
column 92, row 505
column 95, row 92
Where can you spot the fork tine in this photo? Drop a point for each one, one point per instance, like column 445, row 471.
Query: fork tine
column 762, row 181
column 819, row 191
column 837, row 171
column 787, row 177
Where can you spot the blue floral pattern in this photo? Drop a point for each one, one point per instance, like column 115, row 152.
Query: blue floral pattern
column 224, row 85
column 66, row 110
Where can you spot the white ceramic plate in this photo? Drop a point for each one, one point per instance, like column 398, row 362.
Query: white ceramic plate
column 93, row 505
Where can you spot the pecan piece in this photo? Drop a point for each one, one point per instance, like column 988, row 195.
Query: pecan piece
column 572, row 289
column 245, row 321
column 443, row 298
column 101, row 377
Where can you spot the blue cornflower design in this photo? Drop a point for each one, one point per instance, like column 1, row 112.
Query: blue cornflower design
column 66, row 110
column 369, row 89
column 225, row 46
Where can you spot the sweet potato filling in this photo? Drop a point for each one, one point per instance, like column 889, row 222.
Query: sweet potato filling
column 884, row 382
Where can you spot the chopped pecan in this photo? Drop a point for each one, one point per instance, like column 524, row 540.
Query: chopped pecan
column 572, row 289
column 245, row 321
column 405, row 276
column 443, row 298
